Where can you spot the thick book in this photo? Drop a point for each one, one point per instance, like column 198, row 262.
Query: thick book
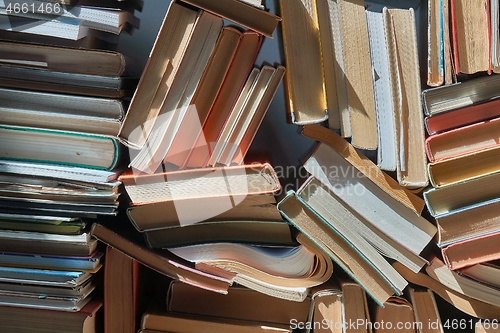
column 61, row 112
column 462, row 195
column 355, row 306
column 317, row 196
column 121, row 292
column 327, row 312
column 224, row 182
column 338, row 248
column 468, row 223
column 412, row 164
column 426, row 310
column 62, row 59
column 305, row 85
column 358, row 73
column 472, row 251
column 463, row 140
column 485, row 273
column 459, row 300
column 30, row 144
column 257, row 207
column 464, row 168
column 240, row 303
column 43, row 243
column 385, row 88
column 471, row 33
column 459, row 95
column 284, row 272
column 370, row 201
column 241, row 13
column 87, row 320
column 159, row 72
column 176, row 102
column 271, row 233
column 468, row 115
column 396, row 310
column 163, row 262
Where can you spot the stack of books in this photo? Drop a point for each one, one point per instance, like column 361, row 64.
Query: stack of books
column 60, row 160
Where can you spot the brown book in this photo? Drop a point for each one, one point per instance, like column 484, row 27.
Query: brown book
column 25, row 319
column 239, row 12
column 226, row 183
column 259, row 207
column 328, row 310
column 472, row 251
column 468, row 223
column 396, row 313
column 471, row 35
column 163, row 262
column 358, row 72
column 156, row 320
column 435, row 63
column 204, row 97
column 231, row 88
column 355, row 307
column 305, row 84
column 160, row 70
column 426, row 310
column 240, row 303
column 270, row 233
column 62, row 59
column 412, row 166
column 121, row 298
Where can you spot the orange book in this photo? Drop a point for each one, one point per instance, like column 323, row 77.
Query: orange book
column 233, row 83
column 472, row 251
column 463, row 140
column 462, row 117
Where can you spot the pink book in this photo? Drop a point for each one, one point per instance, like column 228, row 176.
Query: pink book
column 462, row 117
column 463, row 140
column 472, row 251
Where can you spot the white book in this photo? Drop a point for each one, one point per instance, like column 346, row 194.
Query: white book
column 371, row 202
column 387, row 156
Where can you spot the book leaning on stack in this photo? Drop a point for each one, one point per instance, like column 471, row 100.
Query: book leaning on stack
column 59, row 167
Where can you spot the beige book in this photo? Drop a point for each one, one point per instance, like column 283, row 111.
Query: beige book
column 358, row 72
column 327, row 311
column 304, row 81
column 412, row 168
column 449, row 71
column 471, row 34
column 355, row 307
column 396, row 310
column 464, row 168
column 328, row 24
column 426, row 310
column 158, row 74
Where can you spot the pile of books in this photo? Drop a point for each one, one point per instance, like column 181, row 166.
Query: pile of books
column 59, row 167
